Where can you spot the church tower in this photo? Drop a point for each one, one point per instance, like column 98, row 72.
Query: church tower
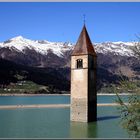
column 83, row 80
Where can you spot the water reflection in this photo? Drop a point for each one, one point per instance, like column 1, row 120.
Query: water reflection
column 91, row 130
column 83, row 130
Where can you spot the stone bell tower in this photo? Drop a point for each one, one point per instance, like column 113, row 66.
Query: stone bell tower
column 83, row 80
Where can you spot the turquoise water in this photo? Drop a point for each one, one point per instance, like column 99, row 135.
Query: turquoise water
column 55, row 122
column 13, row 100
column 110, row 98
column 51, row 99
column 107, row 126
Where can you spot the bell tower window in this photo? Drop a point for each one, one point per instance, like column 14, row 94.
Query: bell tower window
column 79, row 63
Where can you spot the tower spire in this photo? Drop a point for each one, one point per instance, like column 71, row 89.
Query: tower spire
column 84, row 44
column 83, row 80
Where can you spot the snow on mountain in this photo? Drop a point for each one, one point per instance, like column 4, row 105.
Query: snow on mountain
column 43, row 46
column 20, row 44
column 118, row 48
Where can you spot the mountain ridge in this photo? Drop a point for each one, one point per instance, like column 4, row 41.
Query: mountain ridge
column 113, row 59
column 42, row 46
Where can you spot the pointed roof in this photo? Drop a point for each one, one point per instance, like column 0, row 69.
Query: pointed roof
column 84, row 45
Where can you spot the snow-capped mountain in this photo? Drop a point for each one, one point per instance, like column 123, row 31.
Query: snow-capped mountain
column 117, row 48
column 113, row 57
column 20, row 44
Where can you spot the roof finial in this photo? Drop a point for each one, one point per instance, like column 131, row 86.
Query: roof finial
column 84, row 16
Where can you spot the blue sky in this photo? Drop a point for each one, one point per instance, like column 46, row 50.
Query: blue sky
column 61, row 21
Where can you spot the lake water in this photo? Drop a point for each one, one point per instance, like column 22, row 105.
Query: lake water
column 51, row 99
column 55, row 122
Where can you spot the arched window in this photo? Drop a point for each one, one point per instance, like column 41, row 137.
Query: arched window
column 79, row 63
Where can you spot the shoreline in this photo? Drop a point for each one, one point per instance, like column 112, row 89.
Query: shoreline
column 34, row 106
column 22, row 94
column 48, row 106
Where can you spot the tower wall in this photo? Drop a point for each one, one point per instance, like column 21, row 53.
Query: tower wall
column 83, row 95
column 79, row 89
column 92, row 93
